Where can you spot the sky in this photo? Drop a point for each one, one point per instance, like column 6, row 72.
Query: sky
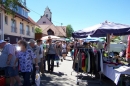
column 81, row 13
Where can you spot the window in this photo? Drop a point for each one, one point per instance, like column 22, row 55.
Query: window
column 23, row 12
column 0, row 21
column 6, row 20
column 26, row 14
column 21, row 28
column 8, row 39
column 46, row 15
column 33, row 29
column 20, row 10
column 44, row 22
column 0, row 37
column 13, row 26
column 27, row 30
column 16, row 39
column 50, row 32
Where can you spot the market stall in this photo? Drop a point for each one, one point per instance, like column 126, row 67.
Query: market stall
column 111, row 69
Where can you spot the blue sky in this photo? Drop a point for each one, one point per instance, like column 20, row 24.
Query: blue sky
column 82, row 13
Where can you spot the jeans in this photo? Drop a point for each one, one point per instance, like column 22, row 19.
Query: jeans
column 50, row 62
column 33, row 74
column 26, row 78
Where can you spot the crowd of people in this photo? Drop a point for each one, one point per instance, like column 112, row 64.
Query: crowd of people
column 31, row 57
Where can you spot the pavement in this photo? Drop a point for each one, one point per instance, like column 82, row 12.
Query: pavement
column 62, row 77
column 65, row 76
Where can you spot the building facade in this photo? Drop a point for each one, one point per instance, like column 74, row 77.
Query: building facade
column 48, row 28
column 17, row 26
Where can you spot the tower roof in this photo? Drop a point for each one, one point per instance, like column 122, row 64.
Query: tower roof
column 47, row 8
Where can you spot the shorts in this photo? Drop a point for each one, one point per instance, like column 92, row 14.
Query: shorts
column 11, row 72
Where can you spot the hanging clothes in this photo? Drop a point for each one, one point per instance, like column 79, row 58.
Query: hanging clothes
column 101, row 61
column 83, row 62
column 86, row 61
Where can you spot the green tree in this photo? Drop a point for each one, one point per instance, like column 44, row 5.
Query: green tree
column 7, row 4
column 38, row 30
column 69, row 31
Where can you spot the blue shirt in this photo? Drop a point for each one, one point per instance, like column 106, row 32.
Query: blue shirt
column 25, row 60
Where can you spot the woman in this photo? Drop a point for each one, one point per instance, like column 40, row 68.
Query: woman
column 25, row 57
column 51, row 52
column 64, row 51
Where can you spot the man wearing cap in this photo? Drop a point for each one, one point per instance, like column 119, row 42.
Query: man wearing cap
column 7, row 41
column 7, row 59
column 36, row 50
column 41, row 55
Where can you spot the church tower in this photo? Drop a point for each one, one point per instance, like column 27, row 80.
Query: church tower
column 48, row 13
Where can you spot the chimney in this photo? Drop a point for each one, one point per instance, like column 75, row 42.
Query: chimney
column 41, row 16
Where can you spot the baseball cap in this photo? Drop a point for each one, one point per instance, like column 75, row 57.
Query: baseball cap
column 32, row 41
column 1, row 41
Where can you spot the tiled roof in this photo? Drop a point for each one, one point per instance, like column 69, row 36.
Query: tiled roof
column 33, row 21
column 62, row 30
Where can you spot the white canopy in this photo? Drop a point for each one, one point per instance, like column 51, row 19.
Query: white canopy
column 52, row 37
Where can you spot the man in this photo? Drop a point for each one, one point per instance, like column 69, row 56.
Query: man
column 41, row 55
column 7, row 59
column 36, row 50
column 7, row 41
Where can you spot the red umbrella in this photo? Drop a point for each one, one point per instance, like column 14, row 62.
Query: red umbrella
column 128, row 50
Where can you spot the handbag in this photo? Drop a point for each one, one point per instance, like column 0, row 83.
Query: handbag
column 37, row 79
column 57, row 57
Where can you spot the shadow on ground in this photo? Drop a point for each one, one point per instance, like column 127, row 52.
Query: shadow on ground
column 56, row 79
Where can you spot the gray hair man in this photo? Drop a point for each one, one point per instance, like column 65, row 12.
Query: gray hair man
column 36, row 49
column 7, row 59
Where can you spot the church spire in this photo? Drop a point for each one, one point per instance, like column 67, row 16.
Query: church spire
column 48, row 13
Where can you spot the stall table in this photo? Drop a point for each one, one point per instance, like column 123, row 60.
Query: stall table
column 115, row 73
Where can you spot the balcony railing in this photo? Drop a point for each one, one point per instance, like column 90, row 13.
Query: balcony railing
column 21, row 31
column 13, row 29
column 28, row 33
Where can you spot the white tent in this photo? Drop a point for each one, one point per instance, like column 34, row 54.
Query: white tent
column 51, row 36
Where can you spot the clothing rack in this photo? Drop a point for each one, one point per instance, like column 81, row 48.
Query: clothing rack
column 80, row 73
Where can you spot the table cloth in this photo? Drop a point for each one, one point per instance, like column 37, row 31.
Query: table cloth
column 114, row 73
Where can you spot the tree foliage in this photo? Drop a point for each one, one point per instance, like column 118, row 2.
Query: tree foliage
column 8, row 4
column 38, row 30
column 69, row 31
